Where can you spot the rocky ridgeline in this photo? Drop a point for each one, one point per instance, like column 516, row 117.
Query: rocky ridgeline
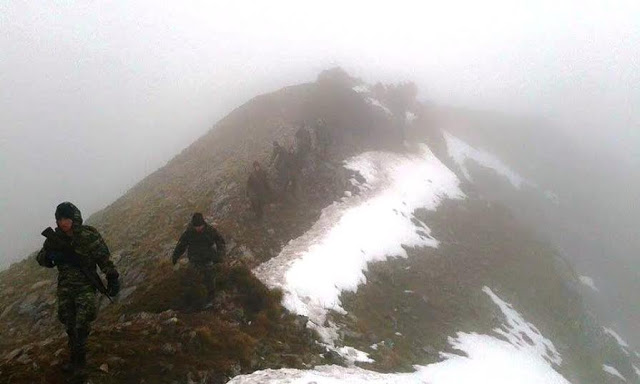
column 149, row 332
column 403, row 316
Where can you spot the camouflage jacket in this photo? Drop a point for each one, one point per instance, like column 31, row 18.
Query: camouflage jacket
column 208, row 246
column 89, row 251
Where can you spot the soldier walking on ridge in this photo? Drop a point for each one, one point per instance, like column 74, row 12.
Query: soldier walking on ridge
column 205, row 247
column 76, row 249
column 258, row 190
column 281, row 159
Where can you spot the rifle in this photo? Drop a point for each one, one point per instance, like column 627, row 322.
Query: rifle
column 72, row 258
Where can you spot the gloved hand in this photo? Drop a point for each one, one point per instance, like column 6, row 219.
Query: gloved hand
column 113, row 285
column 54, row 257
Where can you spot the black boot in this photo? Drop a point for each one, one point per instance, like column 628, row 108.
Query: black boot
column 80, row 362
column 81, row 352
column 69, row 366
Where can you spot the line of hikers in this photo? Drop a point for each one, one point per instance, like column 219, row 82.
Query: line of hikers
column 76, row 249
column 289, row 164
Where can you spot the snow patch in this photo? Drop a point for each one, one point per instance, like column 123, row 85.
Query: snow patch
column 637, row 370
column 354, row 355
column 410, row 117
column 361, row 88
column 523, row 334
column 623, row 345
column 314, row 269
column 365, row 91
column 487, row 360
column 588, row 281
column 325, row 374
column 612, row 371
column 377, row 103
column 460, row 152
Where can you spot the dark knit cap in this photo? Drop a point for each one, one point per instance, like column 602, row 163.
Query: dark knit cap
column 197, row 219
column 65, row 210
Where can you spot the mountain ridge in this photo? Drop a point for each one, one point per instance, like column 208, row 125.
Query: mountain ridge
column 248, row 320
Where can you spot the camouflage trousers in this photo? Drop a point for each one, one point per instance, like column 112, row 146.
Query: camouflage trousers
column 77, row 306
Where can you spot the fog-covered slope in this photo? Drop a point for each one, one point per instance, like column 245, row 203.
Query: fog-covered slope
column 393, row 264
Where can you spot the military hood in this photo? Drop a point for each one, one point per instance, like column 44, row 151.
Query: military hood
column 69, row 210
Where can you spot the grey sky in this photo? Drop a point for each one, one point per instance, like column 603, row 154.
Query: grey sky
column 96, row 95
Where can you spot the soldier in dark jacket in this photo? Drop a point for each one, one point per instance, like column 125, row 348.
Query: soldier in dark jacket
column 76, row 250
column 258, row 190
column 281, row 159
column 205, row 247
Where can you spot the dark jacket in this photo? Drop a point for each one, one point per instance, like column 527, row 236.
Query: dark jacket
column 201, row 248
column 258, row 185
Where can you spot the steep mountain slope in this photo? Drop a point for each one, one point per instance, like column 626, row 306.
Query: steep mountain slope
column 399, row 265
column 582, row 201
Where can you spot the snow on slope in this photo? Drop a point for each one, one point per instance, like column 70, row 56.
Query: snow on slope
column 612, row 371
column 314, row 269
column 623, row 345
column 487, row 359
column 460, row 152
column 588, row 281
column 377, row 103
column 364, row 90
column 517, row 326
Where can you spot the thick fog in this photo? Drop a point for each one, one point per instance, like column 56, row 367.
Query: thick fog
column 96, row 95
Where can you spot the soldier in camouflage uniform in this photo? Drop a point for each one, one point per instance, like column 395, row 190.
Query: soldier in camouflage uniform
column 205, row 247
column 75, row 250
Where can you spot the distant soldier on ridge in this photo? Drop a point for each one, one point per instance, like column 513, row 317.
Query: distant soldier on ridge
column 76, row 249
column 258, row 190
column 282, row 161
column 401, row 97
column 205, row 247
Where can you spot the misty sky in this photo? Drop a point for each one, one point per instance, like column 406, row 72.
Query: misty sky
column 96, row 95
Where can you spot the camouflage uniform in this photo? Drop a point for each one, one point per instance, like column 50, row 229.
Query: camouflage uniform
column 76, row 293
column 204, row 250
